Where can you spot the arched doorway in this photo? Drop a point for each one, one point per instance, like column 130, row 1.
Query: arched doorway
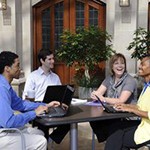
column 51, row 17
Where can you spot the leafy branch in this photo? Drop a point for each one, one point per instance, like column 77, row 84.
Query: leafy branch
column 140, row 44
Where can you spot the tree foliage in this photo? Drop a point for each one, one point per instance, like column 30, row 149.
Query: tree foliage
column 140, row 44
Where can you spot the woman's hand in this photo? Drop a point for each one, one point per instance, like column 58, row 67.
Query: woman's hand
column 97, row 94
column 126, row 107
column 132, row 109
column 93, row 95
column 101, row 97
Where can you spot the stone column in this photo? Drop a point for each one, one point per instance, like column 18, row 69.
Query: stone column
column 27, row 33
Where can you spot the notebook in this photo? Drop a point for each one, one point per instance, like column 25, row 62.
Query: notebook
column 108, row 108
column 61, row 93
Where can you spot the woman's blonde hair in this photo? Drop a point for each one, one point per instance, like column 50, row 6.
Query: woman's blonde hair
column 114, row 58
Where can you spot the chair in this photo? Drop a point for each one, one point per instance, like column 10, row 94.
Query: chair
column 147, row 145
column 16, row 130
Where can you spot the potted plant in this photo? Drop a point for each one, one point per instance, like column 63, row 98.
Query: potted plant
column 85, row 49
column 140, row 46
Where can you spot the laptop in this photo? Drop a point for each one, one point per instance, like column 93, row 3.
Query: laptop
column 61, row 93
column 108, row 108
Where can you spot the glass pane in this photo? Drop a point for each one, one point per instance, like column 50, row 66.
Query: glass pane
column 79, row 14
column 46, row 28
column 59, row 8
column 93, row 16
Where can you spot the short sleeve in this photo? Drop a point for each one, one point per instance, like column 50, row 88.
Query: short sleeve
column 130, row 84
column 106, row 81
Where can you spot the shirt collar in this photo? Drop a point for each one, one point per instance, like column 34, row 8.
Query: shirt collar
column 41, row 71
column 146, row 84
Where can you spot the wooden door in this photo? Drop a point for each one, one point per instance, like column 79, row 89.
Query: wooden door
column 51, row 17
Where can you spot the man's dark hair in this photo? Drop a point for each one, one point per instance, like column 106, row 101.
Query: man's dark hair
column 6, row 59
column 43, row 53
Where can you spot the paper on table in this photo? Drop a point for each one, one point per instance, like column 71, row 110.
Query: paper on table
column 93, row 103
column 78, row 101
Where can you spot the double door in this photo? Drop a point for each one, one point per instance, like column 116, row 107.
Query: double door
column 51, row 17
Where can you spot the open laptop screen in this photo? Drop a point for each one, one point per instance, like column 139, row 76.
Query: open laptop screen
column 61, row 93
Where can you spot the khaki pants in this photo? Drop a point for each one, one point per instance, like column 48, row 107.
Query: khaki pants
column 33, row 138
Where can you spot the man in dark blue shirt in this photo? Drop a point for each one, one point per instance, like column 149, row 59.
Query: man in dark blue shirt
column 10, row 102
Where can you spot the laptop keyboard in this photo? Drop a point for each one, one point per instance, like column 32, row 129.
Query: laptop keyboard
column 111, row 109
column 56, row 112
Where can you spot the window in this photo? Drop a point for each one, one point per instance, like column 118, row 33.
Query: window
column 51, row 17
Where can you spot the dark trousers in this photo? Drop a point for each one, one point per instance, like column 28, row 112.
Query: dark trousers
column 118, row 133
column 57, row 135
column 104, row 129
column 123, row 139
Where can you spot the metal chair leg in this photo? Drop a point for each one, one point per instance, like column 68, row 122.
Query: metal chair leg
column 21, row 135
column 93, row 140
